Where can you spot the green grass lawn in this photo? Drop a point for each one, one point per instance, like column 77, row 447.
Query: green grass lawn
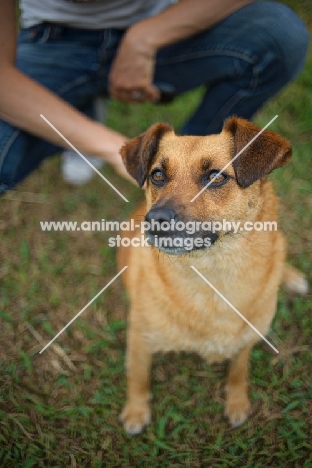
column 60, row 408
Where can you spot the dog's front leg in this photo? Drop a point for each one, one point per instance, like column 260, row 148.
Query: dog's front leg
column 136, row 413
column 237, row 401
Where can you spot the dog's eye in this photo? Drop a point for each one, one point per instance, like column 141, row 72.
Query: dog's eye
column 215, row 178
column 158, row 177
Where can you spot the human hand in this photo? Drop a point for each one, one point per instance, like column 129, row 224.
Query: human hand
column 132, row 72
column 120, row 168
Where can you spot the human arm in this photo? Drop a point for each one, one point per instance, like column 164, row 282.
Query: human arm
column 133, row 68
column 22, row 100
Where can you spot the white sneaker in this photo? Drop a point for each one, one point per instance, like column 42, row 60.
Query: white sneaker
column 74, row 169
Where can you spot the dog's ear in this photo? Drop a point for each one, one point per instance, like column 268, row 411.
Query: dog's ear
column 267, row 152
column 138, row 153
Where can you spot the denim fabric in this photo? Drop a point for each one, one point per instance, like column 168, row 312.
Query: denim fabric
column 243, row 61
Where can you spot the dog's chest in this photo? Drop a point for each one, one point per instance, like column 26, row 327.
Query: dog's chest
column 217, row 345
column 201, row 323
column 184, row 313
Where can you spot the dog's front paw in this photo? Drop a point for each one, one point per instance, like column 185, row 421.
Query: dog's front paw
column 237, row 410
column 135, row 417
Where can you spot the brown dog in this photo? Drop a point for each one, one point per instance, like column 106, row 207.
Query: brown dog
column 172, row 308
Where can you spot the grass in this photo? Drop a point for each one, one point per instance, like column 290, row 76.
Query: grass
column 60, row 409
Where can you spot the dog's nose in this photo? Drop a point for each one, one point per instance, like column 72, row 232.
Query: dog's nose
column 161, row 216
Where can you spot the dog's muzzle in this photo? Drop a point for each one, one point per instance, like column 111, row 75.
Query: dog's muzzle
column 174, row 235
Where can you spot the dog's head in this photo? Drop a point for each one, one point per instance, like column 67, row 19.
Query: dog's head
column 177, row 168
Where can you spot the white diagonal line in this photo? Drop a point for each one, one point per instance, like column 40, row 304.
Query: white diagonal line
column 82, row 310
column 232, row 160
column 234, row 308
column 82, row 156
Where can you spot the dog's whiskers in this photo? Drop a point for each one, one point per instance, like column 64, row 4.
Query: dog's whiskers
column 260, row 244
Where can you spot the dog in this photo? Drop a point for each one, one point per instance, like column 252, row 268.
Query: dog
column 172, row 307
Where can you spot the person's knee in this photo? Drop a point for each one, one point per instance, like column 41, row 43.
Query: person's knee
column 18, row 155
column 290, row 37
column 9, row 157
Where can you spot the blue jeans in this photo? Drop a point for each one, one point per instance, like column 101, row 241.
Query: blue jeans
column 243, row 61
